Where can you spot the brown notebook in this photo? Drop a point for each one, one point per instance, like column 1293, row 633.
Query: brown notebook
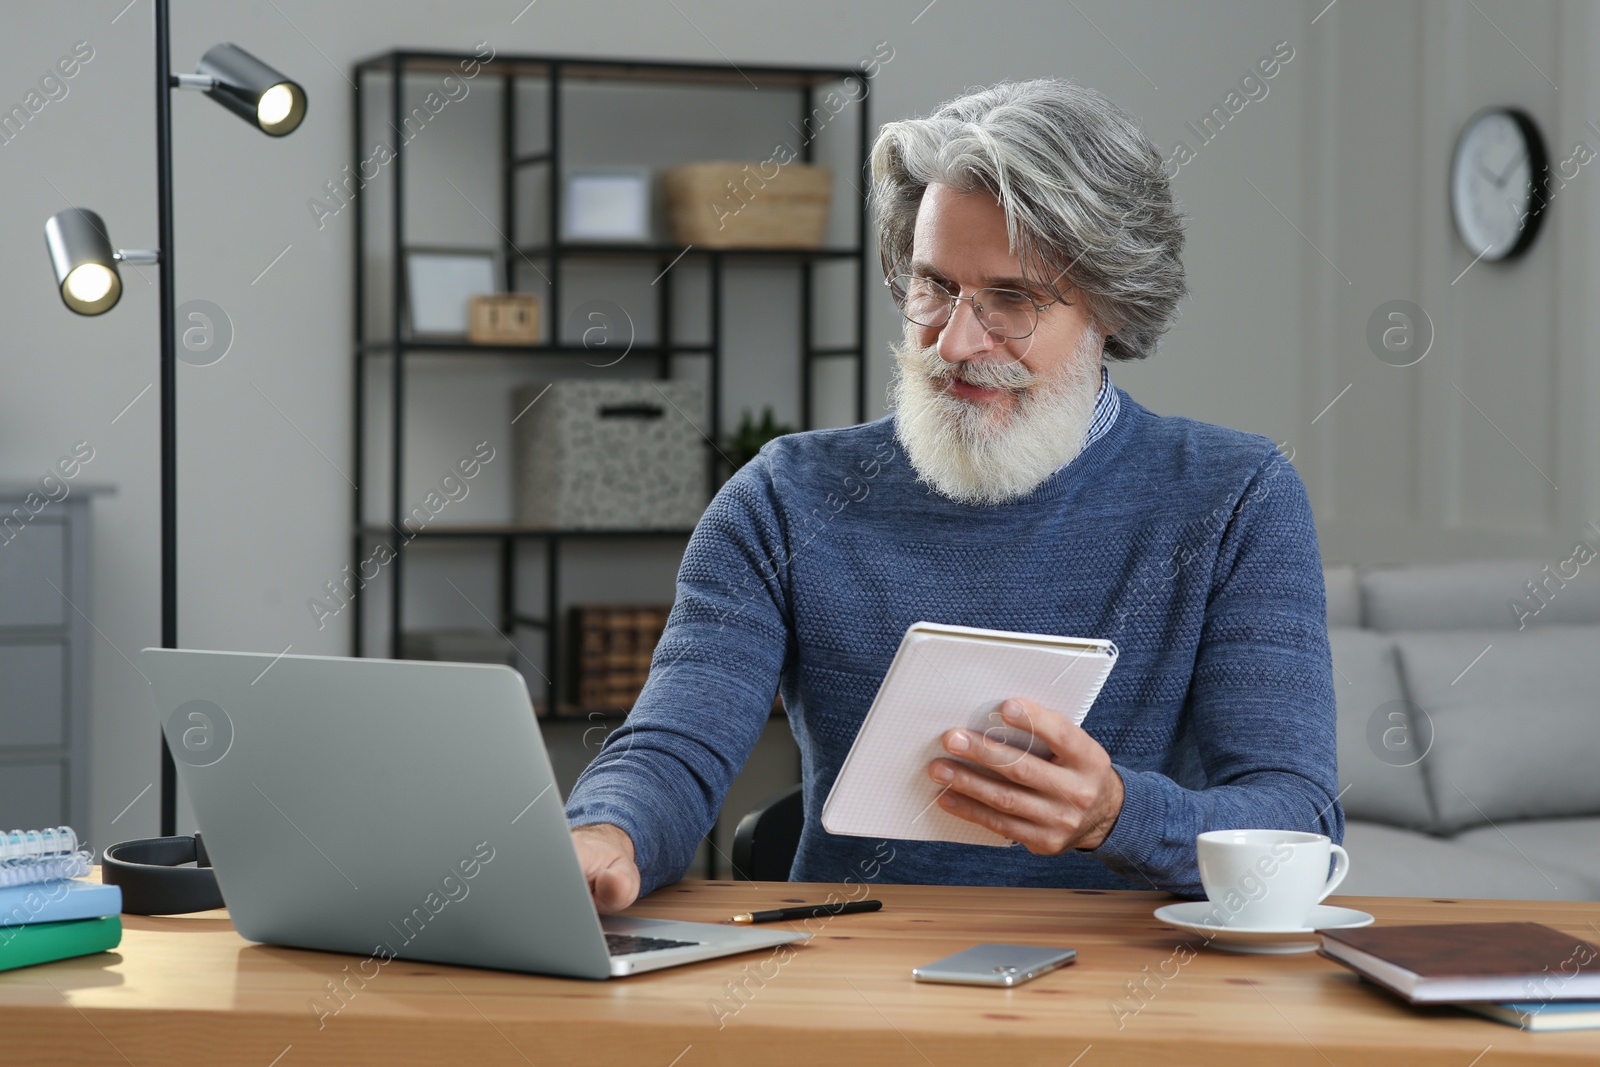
column 1470, row 961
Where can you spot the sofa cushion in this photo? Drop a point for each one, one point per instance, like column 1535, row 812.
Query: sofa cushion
column 1486, row 594
column 1344, row 594
column 1514, row 720
column 1544, row 847
column 1388, row 862
column 1380, row 774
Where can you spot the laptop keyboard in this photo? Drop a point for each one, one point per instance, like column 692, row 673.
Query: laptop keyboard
column 628, row 944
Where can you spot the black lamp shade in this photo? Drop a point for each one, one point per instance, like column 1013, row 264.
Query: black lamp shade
column 252, row 90
column 84, row 262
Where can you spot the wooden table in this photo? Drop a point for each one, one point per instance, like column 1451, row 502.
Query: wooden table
column 189, row 990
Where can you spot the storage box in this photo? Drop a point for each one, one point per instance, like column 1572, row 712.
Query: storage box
column 748, row 205
column 611, row 650
column 609, row 454
column 503, row 319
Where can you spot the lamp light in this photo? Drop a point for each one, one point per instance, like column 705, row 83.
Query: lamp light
column 252, row 90
column 84, row 262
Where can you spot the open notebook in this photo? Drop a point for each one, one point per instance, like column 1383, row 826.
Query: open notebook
column 942, row 677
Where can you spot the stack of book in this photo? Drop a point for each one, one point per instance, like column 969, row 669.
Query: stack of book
column 47, row 912
column 1524, row 974
column 612, row 649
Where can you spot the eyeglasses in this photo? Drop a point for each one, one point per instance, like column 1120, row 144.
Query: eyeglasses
column 1005, row 313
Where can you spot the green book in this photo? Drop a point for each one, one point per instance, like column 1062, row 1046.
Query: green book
column 24, row 946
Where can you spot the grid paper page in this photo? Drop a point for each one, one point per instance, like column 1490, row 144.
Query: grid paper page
column 935, row 683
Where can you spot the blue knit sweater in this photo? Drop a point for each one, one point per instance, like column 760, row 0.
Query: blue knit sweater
column 1189, row 545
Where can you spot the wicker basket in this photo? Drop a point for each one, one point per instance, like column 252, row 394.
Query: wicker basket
column 738, row 205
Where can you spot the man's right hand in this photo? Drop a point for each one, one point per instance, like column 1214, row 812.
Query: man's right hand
column 605, row 852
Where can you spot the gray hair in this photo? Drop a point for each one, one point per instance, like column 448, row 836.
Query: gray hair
column 1081, row 185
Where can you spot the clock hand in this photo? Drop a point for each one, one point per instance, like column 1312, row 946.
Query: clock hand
column 1505, row 175
column 1487, row 174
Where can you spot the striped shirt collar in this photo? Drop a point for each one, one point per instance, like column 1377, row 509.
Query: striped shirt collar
column 1106, row 405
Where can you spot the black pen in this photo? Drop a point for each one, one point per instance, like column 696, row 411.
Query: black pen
column 807, row 911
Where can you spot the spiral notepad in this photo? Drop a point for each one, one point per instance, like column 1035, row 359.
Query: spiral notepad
column 943, row 677
column 28, row 856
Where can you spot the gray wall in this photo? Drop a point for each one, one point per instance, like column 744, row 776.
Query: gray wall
column 1314, row 205
column 1489, row 446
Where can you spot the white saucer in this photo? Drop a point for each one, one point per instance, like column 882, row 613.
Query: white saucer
column 1197, row 916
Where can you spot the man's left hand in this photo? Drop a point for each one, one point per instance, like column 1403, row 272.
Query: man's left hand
column 1068, row 800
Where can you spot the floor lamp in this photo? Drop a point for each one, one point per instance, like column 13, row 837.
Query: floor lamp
column 85, row 264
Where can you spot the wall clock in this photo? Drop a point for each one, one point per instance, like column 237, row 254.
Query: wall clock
column 1495, row 195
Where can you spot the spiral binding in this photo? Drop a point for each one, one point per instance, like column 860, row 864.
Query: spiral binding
column 27, row 846
column 77, row 865
column 29, row 856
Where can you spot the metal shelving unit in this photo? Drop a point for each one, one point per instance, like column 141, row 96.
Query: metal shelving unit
column 387, row 72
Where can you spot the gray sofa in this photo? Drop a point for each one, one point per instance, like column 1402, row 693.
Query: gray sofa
column 1469, row 728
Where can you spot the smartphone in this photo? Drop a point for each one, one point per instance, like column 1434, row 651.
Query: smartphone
column 995, row 965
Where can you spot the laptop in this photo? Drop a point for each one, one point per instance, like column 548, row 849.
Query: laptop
column 395, row 808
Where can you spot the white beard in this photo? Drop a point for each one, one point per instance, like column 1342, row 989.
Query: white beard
column 976, row 451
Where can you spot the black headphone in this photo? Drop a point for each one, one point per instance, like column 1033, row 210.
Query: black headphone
column 153, row 883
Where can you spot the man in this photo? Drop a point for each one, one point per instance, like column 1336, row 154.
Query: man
column 1027, row 234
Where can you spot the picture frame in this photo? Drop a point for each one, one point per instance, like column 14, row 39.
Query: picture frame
column 440, row 283
column 606, row 204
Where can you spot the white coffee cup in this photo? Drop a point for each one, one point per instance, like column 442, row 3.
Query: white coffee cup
column 1267, row 879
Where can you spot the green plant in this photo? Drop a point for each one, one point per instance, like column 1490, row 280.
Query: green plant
column 743, row 445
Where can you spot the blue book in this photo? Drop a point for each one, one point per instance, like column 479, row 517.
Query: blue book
column 59, row 901
column 1543, row 1014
